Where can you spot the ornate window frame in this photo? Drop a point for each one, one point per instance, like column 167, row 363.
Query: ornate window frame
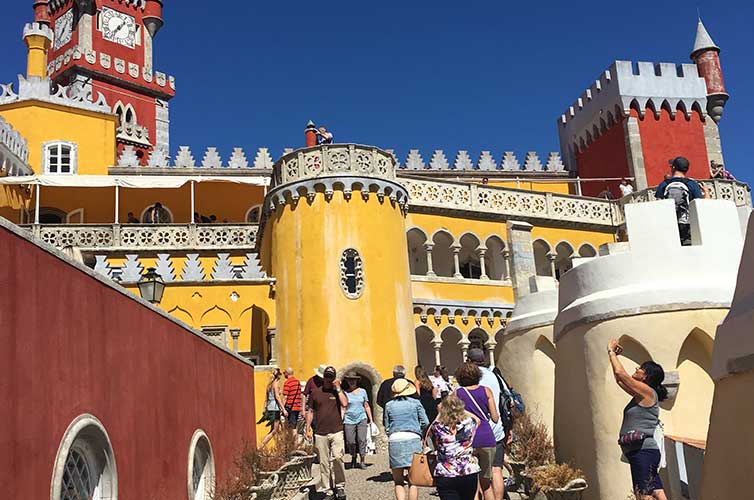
column 47, row 151
column 87, row 437
column 200, row 454
column 355, row 289
column 251, row 209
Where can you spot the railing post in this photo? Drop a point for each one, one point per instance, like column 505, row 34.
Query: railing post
column 578, row 185
column 193, row 234
column 116, row 235
column 430, row 267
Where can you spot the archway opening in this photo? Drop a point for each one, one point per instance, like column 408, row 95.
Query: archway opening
column 693, row 403
column 450, row 353
column 424, row 350
column 417, row 253
column 541, row 258
column 494, row 259
column 442, row 255
column 468, row 257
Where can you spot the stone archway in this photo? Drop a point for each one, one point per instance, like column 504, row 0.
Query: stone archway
column 370, row 381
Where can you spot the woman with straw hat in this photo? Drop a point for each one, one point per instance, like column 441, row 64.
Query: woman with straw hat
column 405, row 423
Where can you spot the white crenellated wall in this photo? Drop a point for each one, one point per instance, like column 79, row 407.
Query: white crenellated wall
column 664, row 302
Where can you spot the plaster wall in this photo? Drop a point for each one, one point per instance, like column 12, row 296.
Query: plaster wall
column 39, row 122
column 317, row 322
column 605, row 157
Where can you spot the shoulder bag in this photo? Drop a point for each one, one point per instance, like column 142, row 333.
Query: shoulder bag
column 422, row 470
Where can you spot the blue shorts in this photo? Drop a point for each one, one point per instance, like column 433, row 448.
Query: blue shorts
column 645, row 473
column 401, row 453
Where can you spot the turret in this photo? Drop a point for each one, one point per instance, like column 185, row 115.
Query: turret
column 38, row 39
column 153, row 16
column 310, row 134
column 706, row 56
column 42, row 12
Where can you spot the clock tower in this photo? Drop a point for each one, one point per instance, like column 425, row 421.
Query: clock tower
column 106, row 46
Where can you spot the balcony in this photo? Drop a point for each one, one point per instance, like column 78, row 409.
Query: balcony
column 116, row 237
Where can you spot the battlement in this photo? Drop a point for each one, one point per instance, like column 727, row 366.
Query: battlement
column 184, row 159
column 462, row 161
column 624, row 86
column 630, row 278
column 56, row 5
column 42, row 89
column 14, row 152
column 38, row 29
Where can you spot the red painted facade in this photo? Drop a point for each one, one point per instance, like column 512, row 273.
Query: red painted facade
column 665, row 138
column 605, row 157
column 74, row 345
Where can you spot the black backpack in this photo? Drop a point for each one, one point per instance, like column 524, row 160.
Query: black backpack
column 677, row 190
column 511, row 403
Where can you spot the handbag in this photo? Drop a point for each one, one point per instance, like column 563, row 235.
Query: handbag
column 631, row 437
column 421, row 472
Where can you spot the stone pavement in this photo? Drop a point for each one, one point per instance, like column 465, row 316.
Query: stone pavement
column 376, row 482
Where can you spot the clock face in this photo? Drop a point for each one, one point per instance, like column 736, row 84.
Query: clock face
column 64, row 29
column 118, row 27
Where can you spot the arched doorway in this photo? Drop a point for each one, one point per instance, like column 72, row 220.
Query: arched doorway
column 693, row 403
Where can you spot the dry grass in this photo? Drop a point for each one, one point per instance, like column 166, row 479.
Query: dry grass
column 532, row 443
column 553, row 476
column 250, row 462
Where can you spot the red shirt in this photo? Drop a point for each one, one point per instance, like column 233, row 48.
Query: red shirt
column 292, row 394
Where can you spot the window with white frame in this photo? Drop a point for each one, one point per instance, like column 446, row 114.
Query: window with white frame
column 201, row 468
column 60, row 157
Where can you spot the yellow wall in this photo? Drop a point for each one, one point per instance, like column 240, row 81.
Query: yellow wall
column 576, row 237
column 317, row 323
column 543, row 187
column 210, row 304
column 479, row 291
column 40, row 122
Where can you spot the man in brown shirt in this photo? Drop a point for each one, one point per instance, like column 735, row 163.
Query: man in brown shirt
column 325, row 405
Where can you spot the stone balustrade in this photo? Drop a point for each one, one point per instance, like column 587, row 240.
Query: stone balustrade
column 14, row 152
column 149, row 236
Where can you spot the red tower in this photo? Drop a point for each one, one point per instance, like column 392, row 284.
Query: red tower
column 106, row 46
column 706, row 56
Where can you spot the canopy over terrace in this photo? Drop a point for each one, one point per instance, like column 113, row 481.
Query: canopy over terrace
column 125, row 181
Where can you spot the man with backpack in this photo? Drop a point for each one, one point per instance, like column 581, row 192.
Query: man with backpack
column 502, row 431
column 682, row 190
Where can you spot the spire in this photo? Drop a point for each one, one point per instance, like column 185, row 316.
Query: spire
column 703, row 40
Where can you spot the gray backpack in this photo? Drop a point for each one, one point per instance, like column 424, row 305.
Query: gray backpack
column 678, row 191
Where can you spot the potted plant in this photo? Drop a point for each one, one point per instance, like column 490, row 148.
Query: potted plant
column 556, row 482
column 531, row 447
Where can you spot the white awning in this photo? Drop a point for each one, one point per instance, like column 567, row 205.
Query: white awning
column 128, row 181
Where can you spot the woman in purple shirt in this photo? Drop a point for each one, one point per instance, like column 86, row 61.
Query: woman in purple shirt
column 480, row 402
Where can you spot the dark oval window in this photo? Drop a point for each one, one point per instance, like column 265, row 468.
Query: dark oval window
column 351, row 273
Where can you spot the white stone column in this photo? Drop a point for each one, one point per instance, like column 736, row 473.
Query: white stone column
column 235, row 333
column 271, row 343
column 430, row 269
column 464, row 344
column 456, row 263
column 506, row 265
column 551, row 257
column 481, row 252
column 490, row 345
column 437, row 346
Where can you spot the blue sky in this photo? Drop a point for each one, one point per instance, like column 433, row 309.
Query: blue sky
column 474, row 75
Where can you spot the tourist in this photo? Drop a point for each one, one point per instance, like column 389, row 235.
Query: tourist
column 273, row 407
column 625, row 187
column 213, row 219
column 682, row 191
column 156, row 214
column 292, row 400
column 606, row 193
column 384, row 394
column 496, row 385
column 357, row 420
column 719, row 171
column 427, row 393
column 132, row 218
column 641, row 419
column 323, row 136
column 480, row 401
column 325, row 405
column 405, row 422
column 456, row 473
column 440, row 380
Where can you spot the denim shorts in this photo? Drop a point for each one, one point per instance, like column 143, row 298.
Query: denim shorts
column 401, row 453
column 644, row 470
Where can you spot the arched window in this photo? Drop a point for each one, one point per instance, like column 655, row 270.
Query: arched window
column 468, row 257
column 563, row 256
column 542, row 258
column 587, row 250
column 494, row 259
column 351, row 273
column 162, row 215
column 442, row 255
column 60, row 157
column 85, row 464
column 417, row 253
column 201, row 468
column 253, row 215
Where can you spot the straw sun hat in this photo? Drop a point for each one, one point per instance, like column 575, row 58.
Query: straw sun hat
column 402, row 387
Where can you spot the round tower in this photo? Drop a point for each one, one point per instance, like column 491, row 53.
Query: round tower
column 42, row 12
column 335, row 241
column 706, row 56
column 153, row 16
column 38, row 38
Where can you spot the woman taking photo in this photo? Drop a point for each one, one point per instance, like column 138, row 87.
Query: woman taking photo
column 479, row 401
column 427, row 392
column 273, row 406
column 641, row 417
column 456, row 472
column 405, row 423
column 356, row 421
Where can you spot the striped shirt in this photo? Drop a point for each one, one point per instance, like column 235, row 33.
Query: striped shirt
column 292, row 394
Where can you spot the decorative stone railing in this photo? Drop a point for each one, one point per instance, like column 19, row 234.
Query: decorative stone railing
column 486, row 163
column 508, row 202
column 148, row 237
column 14, row 152
column 334, row 160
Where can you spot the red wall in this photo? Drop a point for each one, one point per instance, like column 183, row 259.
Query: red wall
column 72, row 345
column 666, row 138
column 606, row 157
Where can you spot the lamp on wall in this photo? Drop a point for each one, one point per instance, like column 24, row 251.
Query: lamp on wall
column 151, row 286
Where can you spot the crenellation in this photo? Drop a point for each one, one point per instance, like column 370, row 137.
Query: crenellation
column 532, row 163
column 510, row 162
column 486, row 161
column 263, row 160
column 211, row 159
column 414, row 160
column 463, row 161
column 438, row 161
column 184, row 159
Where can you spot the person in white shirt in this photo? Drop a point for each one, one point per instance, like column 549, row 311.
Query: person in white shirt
column 438, row 381
column 625, row 187
column 490, row 381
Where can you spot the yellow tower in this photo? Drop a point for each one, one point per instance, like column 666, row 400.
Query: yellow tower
column 38, row 39
column 335, row 241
